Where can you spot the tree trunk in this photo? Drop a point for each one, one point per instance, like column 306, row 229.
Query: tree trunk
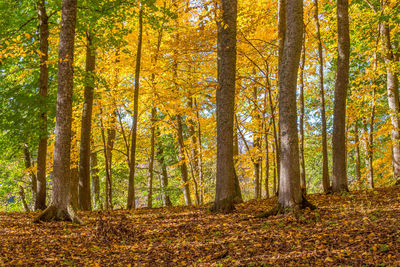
column 302, row 113
column 58, row 210
column 84, row 159
column 182, row 159
column 111, row 133
column 358, row 157
column 200, row 157
column 21, row 194
column 325, row 166
column 28, row 165
column 225, row 182
column 73, row 189
column 195, row 155
column 266, row 165
column 339, row 113
column 151, row 160
column 392, row 84
column 95, row 182
column 40, row 199
column 131, row 204
column 256, row 145
column 289, row 189
column 164, row 174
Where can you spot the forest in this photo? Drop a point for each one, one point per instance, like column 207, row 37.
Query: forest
column 200, row 132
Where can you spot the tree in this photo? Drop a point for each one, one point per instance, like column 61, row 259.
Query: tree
column 59, row 207
column 225, row 195
column 84, row 159
column 40, row 200
column 131, row 187
column 339, row 173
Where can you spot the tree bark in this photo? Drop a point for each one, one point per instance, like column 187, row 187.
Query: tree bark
column 131, row 204
column 225, row 182
column 84, row 159
column 21, row 194
column 28, row 165
column 40, row 199
column 256, row 145
column 358, row 157
column 183, row 165
column 339, row 172
column 392, row 83
column 325, row 165
column 164, row 174
column 151, row 160
column 290, row 195
column 95, row 181
column 302, row 113
column 58, row 210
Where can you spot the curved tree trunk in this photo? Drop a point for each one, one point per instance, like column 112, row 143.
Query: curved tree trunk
column 302, row 163
column 40, row 199
column 339, row 172
column 59, row 210
column 84, row 159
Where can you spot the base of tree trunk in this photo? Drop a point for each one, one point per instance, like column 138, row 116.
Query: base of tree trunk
column 223, row 206
column 328, row 191
column 279, row 209
column 53, row 213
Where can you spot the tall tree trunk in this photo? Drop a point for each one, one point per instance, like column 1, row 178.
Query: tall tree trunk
column 151, row 160
column 195, row 154
column 225, row 182
column 339, row 172
column 358, row 157
column 392, row 83
column 58, row 210
column 325, row 166
column 107, row 152
column 182, row 159
column 95, row 181
column 302, row 163
column 84, row 159
column 111, row 133
column 40, row 199
column 74, row 184
column 131, row 204
column 28, row 165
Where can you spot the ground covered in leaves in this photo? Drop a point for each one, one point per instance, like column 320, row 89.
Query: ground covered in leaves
column 358, row 228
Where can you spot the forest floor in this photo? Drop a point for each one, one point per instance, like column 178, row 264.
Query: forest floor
column 358, row 228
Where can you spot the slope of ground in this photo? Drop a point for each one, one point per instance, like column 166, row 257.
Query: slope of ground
column 358, row 228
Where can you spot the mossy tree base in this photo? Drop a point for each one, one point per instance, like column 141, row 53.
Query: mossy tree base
column 279, row 209
column 53, row 213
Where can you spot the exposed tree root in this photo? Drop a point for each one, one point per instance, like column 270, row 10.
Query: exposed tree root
column 53, row 213
column 278, row 209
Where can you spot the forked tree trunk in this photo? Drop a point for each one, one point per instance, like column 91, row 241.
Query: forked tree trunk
column 40, row 199
column 84, row 159
column 339, row 173
column 58, row 209
column 225, row 181
column 131, row 204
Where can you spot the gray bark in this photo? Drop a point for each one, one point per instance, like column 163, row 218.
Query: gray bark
column 289, row 188
column 339, row 173
column 58, row 210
